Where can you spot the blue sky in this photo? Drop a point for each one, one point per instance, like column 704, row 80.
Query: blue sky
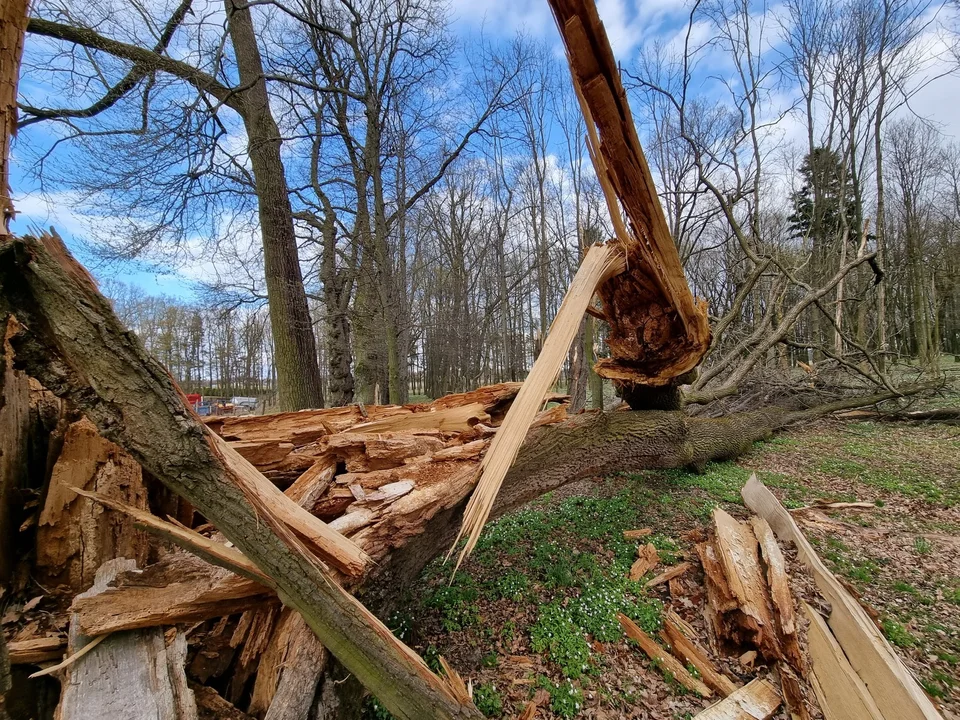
column 630, row 24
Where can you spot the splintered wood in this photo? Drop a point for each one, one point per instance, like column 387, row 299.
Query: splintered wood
column 658, row 331
column 600, row 263
column 848, row 651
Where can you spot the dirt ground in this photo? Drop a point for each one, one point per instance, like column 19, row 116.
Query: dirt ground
column 533, row 612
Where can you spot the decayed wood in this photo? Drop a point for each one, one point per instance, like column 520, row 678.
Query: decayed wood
column 841, row 692
column 647, row 560
column 657, row 330
column 75, row 537
column 636, row 534
column 757, row 700
column 14, row 424
column 74, row 345
column 738, row 554
column 894, row 689
column 36, row 650
column 600, row 263
column 686, row 649
column 132, row 675
column 666, row 660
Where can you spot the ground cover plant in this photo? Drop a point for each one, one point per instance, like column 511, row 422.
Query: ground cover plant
column 534, row 610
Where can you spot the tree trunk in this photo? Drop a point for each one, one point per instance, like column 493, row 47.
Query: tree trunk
column 72, row 342
column 295, row 349
column 13, row 25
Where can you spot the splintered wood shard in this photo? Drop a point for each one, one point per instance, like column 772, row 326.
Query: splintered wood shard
column 757, row 700
column 658, row 331
column 600, row 263
column 896, row 693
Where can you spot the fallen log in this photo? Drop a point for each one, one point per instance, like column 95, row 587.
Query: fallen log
column 73, row 344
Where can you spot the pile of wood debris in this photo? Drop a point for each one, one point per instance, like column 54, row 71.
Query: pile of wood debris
column 375, row 474
column 127, row 616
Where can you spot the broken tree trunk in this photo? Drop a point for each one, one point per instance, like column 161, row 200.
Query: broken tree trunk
column 14, row 421
column 658, row 331
column 72, row 342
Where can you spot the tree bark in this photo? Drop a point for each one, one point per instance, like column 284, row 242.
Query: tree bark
column 13, row 25
column 295, row 350
column 72, row 342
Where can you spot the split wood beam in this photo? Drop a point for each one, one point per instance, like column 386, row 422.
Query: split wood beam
column 658, row 331
column 72, row 342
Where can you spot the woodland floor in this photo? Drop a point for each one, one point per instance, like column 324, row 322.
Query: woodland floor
column 518, row 616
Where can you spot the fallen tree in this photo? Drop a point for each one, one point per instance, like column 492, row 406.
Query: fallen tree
column 395, row 480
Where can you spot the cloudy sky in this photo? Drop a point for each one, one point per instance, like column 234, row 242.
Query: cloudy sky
column 630, row 25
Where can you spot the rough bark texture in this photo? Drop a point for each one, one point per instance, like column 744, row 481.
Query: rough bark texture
column 75, row 346
column 13, row 24
column 14, row 422
column 295, row 351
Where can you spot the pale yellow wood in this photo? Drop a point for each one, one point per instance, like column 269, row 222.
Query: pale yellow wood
column 599, row 264
column 843, row 693
column 896, row 692
column 757, row 700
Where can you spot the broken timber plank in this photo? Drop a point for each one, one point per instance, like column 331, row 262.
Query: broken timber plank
column 841, row 692
column 666, row 660
column 647, row 560
column 600, row 263
column 36, row 650
column 757, row 700
column 668, row 574
column 688, row 651
column 896, row 692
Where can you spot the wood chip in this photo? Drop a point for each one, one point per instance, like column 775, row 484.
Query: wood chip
column 666, row 661
column 669, row 574
column 636, row 534
column 647, row 560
